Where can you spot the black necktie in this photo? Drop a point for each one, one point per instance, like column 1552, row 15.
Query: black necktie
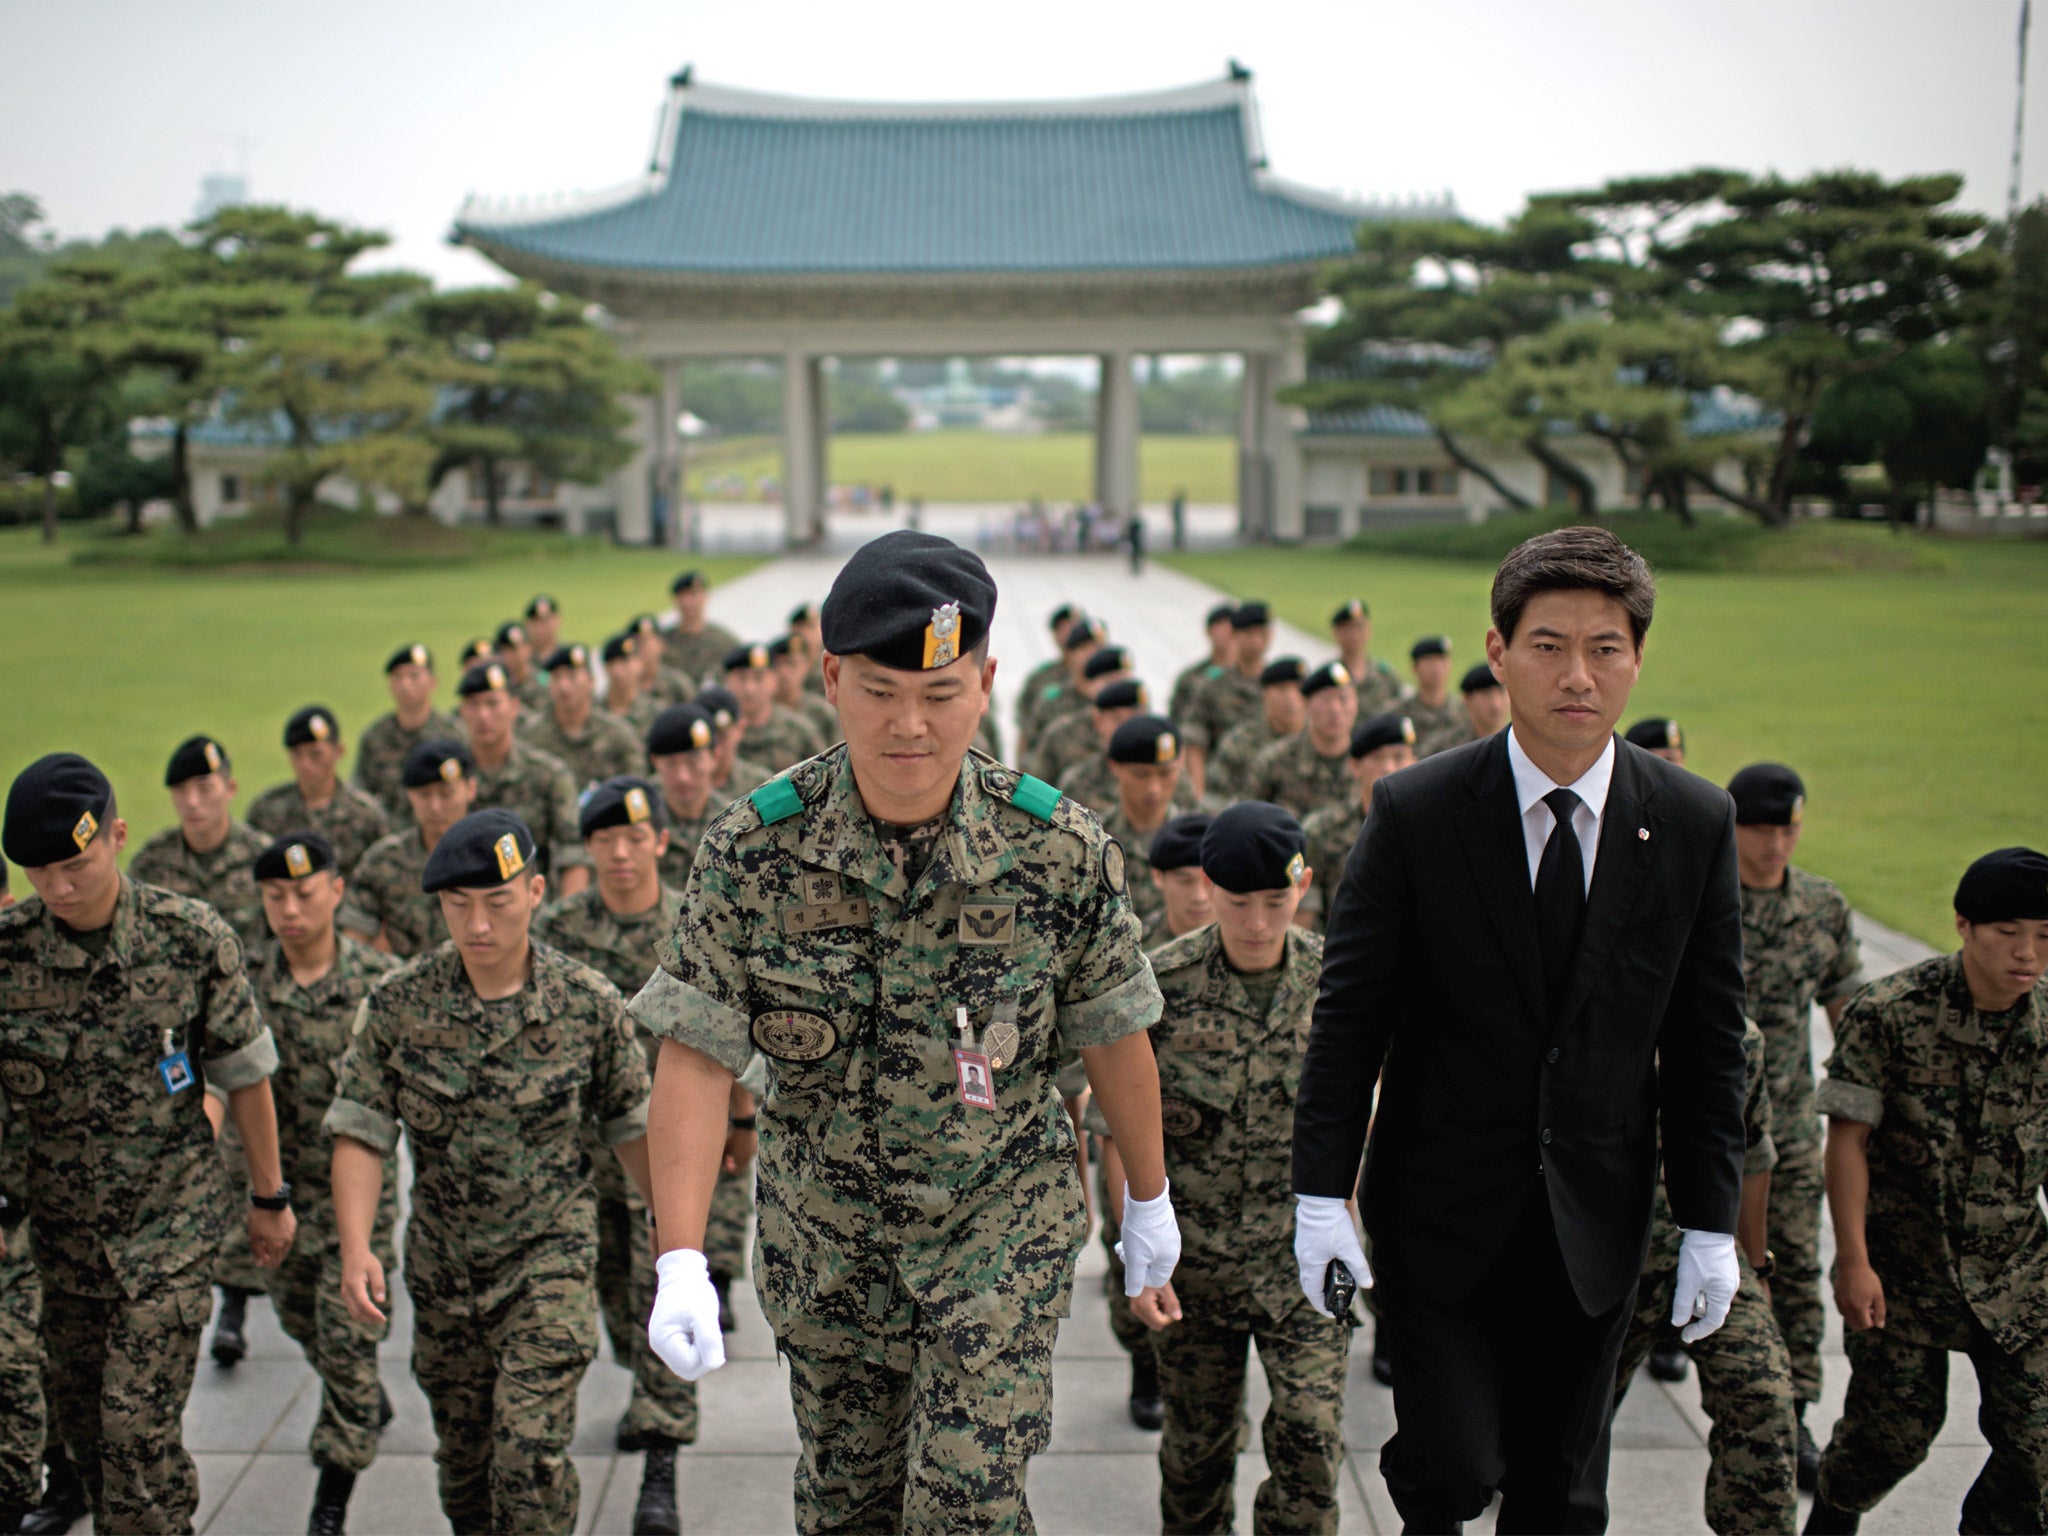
column 1560, row 894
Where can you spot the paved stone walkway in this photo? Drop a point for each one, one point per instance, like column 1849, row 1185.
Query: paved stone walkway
column 248, row 1426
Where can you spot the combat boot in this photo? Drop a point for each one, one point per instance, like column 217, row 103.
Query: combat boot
column 63, row 1498
column 1808, row 1469
column 1668, row 1361
column 229, row 1345
column 1147, row 1411
column 721, row 1286
column 384, row 1409
column 330, row 1503
column 1826, row 1520
column 655, row 1513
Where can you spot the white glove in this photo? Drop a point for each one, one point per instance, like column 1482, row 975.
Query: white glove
column 1708, row 1274
column 683, row 1327
column 1151, row 1241
column 1322, row 1232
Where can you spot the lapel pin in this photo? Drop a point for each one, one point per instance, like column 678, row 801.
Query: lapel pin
column 1643, row 834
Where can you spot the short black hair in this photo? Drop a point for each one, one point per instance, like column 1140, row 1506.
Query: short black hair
column 1580, row 557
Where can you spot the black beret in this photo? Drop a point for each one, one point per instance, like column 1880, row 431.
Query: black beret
column 802, row 613
column 687, row 582
column 315, row 722
column 781, row 646
column 2010, row 885
column 1767, row 795
column 1084, row 634
column 619, row 648
column 1478, row 679
column 643, row 624
column 1250, row 615
column 746, row 658
column 1060, row 615
column 56, row 806
column 436, row 762
column 620, row 801
column 295, row 856
column 1281, row 669
column 1254, row 846
column 1145, row 739
column 484, row 677
column 1111, row 658
column 1350, row 613
column 484, row 849
column 721, row 704
column 1331, row 674
column 1655, row 733
column 196, row 757
column 909, row 601
column 477, row 650
column 414, row 655
column 1124, row 693
column 1220, row 614
column 561, row 656
column 1391, row 729
column 511, row 632
column 541, row 607
column 1178, row 844
column 682, row 728
column 1429, row 645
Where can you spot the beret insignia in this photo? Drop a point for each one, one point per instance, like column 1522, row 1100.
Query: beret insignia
column 510, row 859
column 85, row 829
column 1408, row 730
column 700, row 733
column 451, row 770
column 637, row 809
column 496, row 675
column 1295, row 866
column 320, row 726
column 298, row 861
column 1339, row 675
column 942, row 636
column 419, row 655
column 212, row 758
column 1798, row 810
column 1168, row 746
column 1671, row 737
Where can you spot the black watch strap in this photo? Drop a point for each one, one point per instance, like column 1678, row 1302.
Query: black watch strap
column 281, row 1201
column 744, row 1122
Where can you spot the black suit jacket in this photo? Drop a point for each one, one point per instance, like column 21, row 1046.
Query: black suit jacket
column 1431, row 972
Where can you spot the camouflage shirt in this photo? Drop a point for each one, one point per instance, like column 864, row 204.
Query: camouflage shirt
column 696, row 657
column 493, row 1096
column 1438, row 727
column 1759, row 1150
column 1181, row 702
column 1798, row 948
column 1046, row 672
column 1228, row 1071
column 1331, row 832
column 1230, row 765
column 886, row 1203
column 380, row 758
column 1376, row 685
column 352, row 820
column 1220, row 702
column 1137, row 850
column 636, row 716
column 537, row 787
column 747, row 776
column 784, row 739
column 384, row 896
column 822, row 718
column 1293, row 774
column 1068, row 740
column 1053, row 701
column 224, row 879
column 125, row 1184
column 605, row 747
column 1957, row 1102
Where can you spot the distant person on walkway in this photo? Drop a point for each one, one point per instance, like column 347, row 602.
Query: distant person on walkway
column 1134, row 537
column 1179, row 513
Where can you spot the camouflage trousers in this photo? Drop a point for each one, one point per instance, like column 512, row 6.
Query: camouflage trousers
column 1202, row 1368
column 1746, row 1390
column 21, row 1376
column 306, row 1291
column 930, row 1450
column 118, row 1399
column 1796, row 1186
column 1898, row 1398
column 663, row 1406
column 501, row 1380
column 725, row 1229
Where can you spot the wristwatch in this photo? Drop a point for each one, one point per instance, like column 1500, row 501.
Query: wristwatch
column 743, row 1122
column 1769, row 1267
column 281, row 1201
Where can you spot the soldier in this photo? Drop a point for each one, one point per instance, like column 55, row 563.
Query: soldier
column 1376, row 684
column 695, row 644
column 1486, row 702
column 116, row 1000
column 1439, row 724
column 1223, row 701
column 803, row 623
column 474, row 653
column 385, row 906
column 1312, row 768
column 206, row 855
column 731, row 775
column 1237, row 999
column 516, row 654
column 1175, row 855
column 776, row 737
column 1661, row 736
column 490, row 1051
column 1051, row 670
column 1077, row 737
column 412, row 719
column 570, row 728
column 524, row 780
column 1382, row 745
column 543, row 624
column 1798, row 949
column 1221, row 658
column 349, row 818
column 1145, row 756
column 624, row 696
column 1937, row 1130
column 658, row 681
column 1090, row 780
column 1064, row 694
column 793, row 663
column 919, row 1222
column 308, row 985
column 1283, row 712
column 682, row 744
column 23, row 1423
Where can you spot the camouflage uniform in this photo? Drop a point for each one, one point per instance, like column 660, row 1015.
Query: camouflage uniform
column 621, row 949
column 126, row 1188
column 23, row 1425
column 503, row 1236
column 607, row 747
column 1958, row 1112
column 1745, row 1377
column 914, row 1253
column 636, row 716
column 1438, row 727
column 785, row 738
column 384, row 895
column 1067, row 741
column 821, row 716
column 1229, row 1065
column 1041, row 676
column 746, row 777
column 1180, row 702
column 351, row 821
column 696, row 657
column 1331, row 832
column 1137, row 847
column 538, row 789
column 1231, row 763
column 532, row 691
column 222, row 879
column 683, row 838
column 1797, row 949
column 1377, row 686
column 380, row 758
column 1292, row 774
column 310, row 1026
column 1055, row 701
column 1227, row 699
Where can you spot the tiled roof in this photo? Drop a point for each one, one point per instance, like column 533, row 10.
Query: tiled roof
column 1371, row 421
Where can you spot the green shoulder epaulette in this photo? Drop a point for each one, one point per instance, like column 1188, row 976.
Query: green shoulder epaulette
column 777, row 800
column 1035, row 796
column 1212, row 670
column 1051, row 690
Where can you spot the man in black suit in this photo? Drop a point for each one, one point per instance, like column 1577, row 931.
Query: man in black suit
column 1536, row 950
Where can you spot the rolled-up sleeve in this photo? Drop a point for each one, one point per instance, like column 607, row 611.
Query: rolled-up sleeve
column 698, row 996
column 365, row 1106
column 1109, row 990
column 243, row 1066
column 620, row 1084
column 1854, row 1086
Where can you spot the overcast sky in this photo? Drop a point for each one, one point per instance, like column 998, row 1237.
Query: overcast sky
column 387, row 114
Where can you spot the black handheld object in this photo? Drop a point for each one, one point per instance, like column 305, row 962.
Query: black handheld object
column 1338, row 1288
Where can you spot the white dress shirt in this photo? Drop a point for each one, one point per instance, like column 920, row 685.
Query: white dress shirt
column 1532, row 784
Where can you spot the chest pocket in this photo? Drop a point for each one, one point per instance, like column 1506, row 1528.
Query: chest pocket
column 33, row 1057
column 1198, row 1088
column 804, row 1018
column 545, row 1077
column 434, row 1085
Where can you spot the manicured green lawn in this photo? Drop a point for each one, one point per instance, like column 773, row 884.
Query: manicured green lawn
column 1915, row 705
column 122, row 664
